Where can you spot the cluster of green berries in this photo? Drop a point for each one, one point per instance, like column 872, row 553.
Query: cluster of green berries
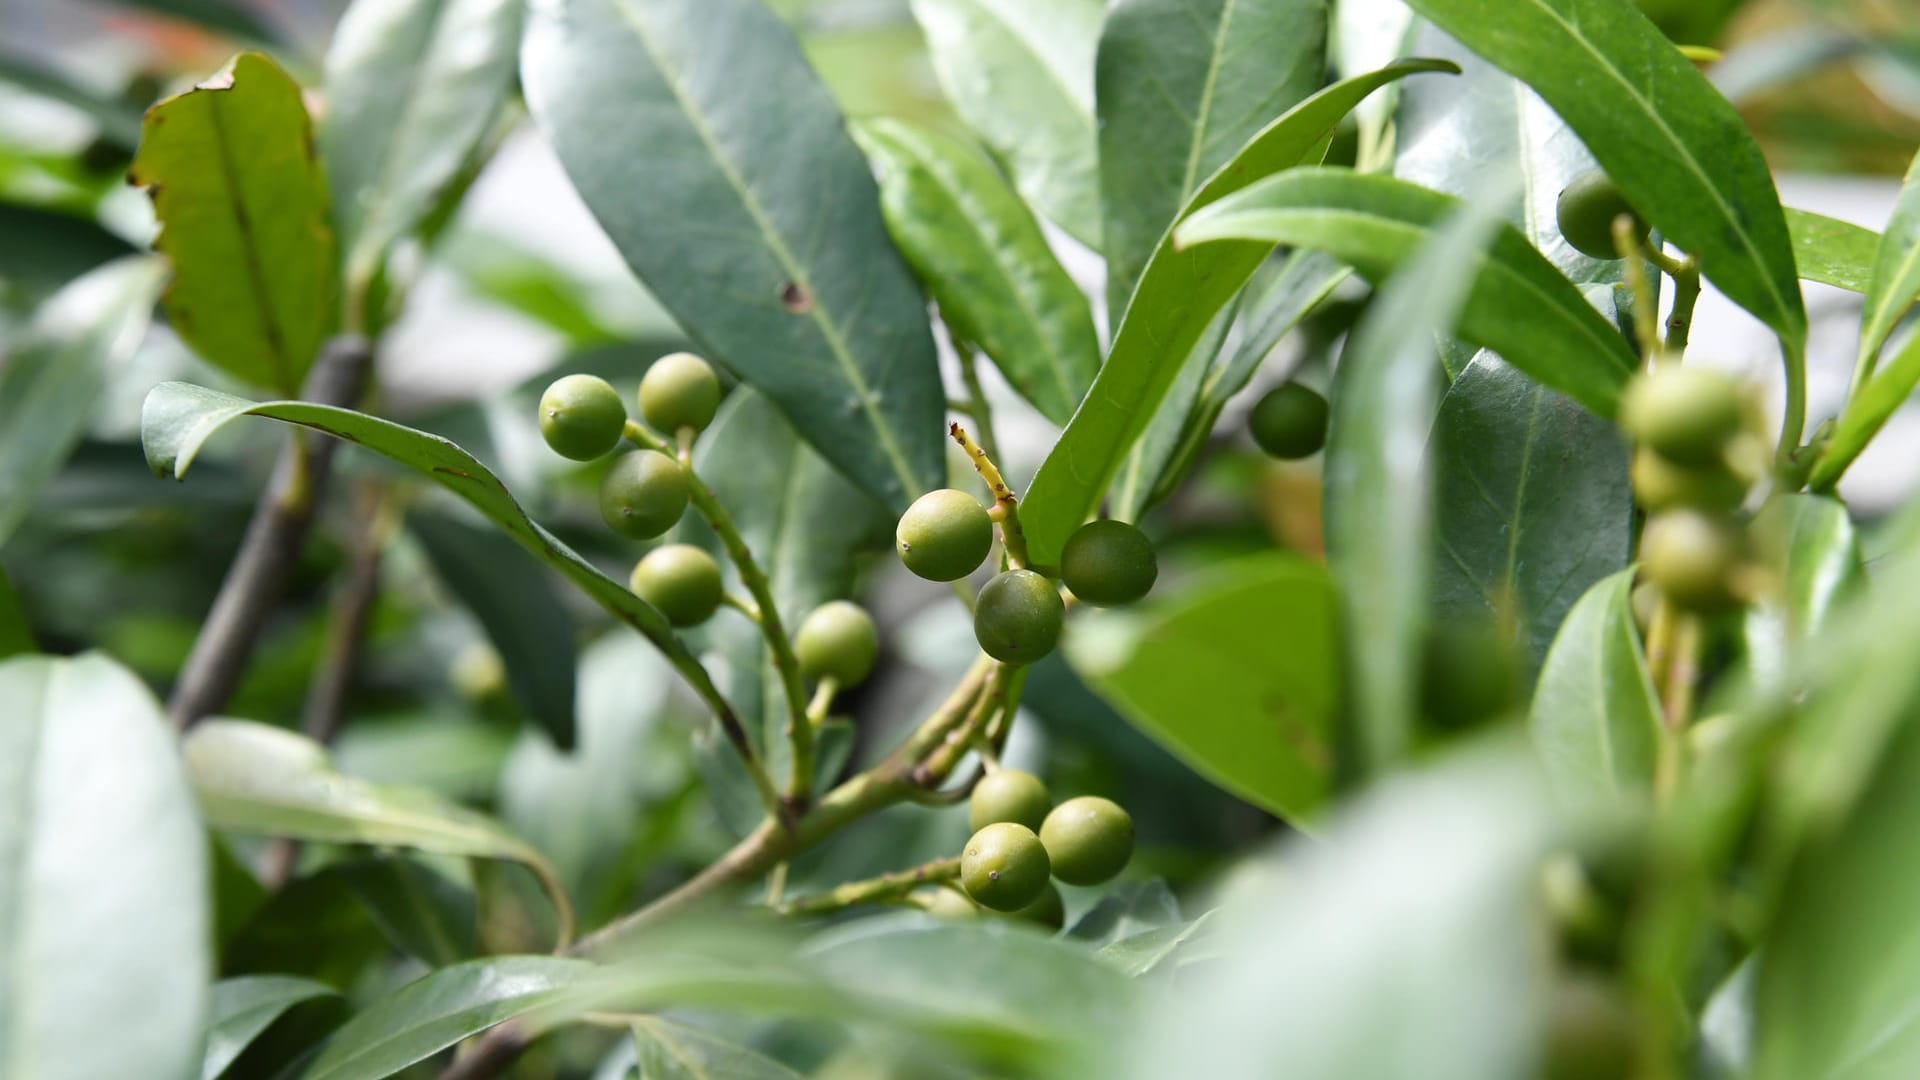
column 1586, row 212
column 1698, row 452
column 1022, row 843
column 945, row 535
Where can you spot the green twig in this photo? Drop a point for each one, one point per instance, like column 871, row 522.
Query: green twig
column 1646, row 314
column 876, row 890
column 1685, row 272
column 1006, row 508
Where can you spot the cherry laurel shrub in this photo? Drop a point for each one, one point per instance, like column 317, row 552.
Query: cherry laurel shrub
column 1368, row 635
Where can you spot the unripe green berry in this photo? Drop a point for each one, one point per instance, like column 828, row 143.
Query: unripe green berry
column 680, row 580
column 837, row 640
column 1586, row 210
column 679, row 391
column 1689, row 414
column 1047, row 909
column 944, row 903
column 1088, row 839
column 1017, row 617
column 1659, row 484
column 1693, row 559
column 1008, row 795
column 643, row 494
column 581, row 417
column 944, row 535
column 1004, row 867
column 1470, row 672
column 1108, row 562
column 1289, row 422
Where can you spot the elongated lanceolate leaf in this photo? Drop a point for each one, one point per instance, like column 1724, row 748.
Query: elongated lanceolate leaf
column 1895, row 284
column 1831, row 251
column 244, row 1007
column 1595, row 718
column 720, row 167
column 669, row 1051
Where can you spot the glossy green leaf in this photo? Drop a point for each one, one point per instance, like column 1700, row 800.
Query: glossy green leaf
column 179, row 418
column 104, row 912
column 1179, row 87
column 16, row 634
column 1866, row 411
column 1531, row 503
column 985, row 261
column 420, row 910
column 1816, row 561
column 1245, row 699
column 1377, row 485
column 1139, row 477
column 411, row 89
column 1676, row 147
column 1518, row 304
column 1179, row 294
column 1831, row 251
column 718, row 190
column 516, row 604
column 50, row 385
column 669, row 1051
column 1021, row 75
column 1143, row 953
column 268, row 781
column 1595, row 717
column 1895, row 283
column 245, row 1006
column 438, row 1010
column 1369, row 34
column 243, row 221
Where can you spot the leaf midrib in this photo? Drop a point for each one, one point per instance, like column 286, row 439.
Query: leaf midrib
column 256, row 274
column 1081, row 110
column 837, row 345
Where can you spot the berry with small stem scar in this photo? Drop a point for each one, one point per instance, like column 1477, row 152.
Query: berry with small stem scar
column 581, row 417
column 1108, row 563
column 1008, row 795
column 1004, row 867
column 1088, row 839
column 643, row 494
column 680, row 580
column 1289, row 422
column 679, row 391
column 944, row 536
column 1017, row 617
column 837, row 640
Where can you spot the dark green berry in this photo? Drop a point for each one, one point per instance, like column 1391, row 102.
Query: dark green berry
column 1047, row 909
column 1108, row 562
column 1004, row 867
column 1660, row 484
column 1008, row 795
column 1017, row 617
column 1289, row 422
column 1088, row 839
column 1693, row 559
column 679, row 391
column 944, row 535
column 1586, row 210
column 1470, row 672
column 643, row 494
column 837, row 641
column 944, row 903
column 581, row 417
column 680, row 580
column 1688, row 414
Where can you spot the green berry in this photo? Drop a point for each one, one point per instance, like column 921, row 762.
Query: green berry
column 837, row 640
column 643, row 494
column 679, row 391
column 581, row 417
column 1047, row 909
column 944, row 535
column 1017, row 617
column 1470, row 673
column 1659, row 484
column 1108, row 562
column 1004, row 867
column 1688, row 414
column 1008, row 795
column 1586, row 211
column 1089, row 839
column 681, row 580
column 1290, row 422
column 1693, row 559
column 944, row 903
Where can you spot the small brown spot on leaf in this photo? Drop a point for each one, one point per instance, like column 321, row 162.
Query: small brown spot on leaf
column 795, row 298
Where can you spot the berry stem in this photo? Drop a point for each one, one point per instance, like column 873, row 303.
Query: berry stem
column 1006, row 507
column 1646, row 304
column 823, row 693
column 1685, row 272
column 799, row 731
column 875, row 890
column 742, row 605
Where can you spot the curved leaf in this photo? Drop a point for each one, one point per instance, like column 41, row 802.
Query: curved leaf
column 1595, row 718
column 1021, row 75
column 1179, row 87
column 1518, row 305
column 665, row 1050
column 986, row 263
column 747, row 210
column 1895, row 283
column 1676, row 147
column 1831, row 251
column 1866, row 411
column 245, row 1006
column 1246, row 700
column 243, row 219
column 411, row 89
column 1532, row 504
column 104, row 909
column 1816, row 559
column 1179, row 294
